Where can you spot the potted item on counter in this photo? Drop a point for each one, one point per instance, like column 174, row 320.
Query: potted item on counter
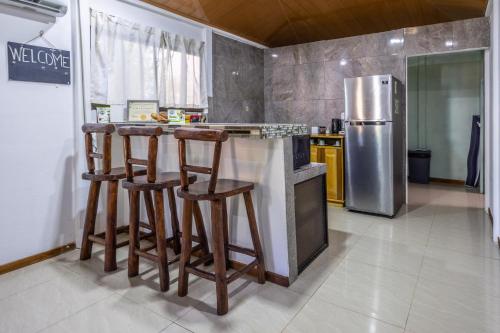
column 176, row 116
column 161, row 117
column 103, row 112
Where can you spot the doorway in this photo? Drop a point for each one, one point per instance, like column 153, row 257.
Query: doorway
column 445, row 112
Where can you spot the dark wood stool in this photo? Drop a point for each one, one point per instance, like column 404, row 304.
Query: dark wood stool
column 216, row 191
column 157, row 183
column 112, row 176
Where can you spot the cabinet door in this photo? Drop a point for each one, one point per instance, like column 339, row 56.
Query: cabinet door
column 334, row 177
column 315, row 157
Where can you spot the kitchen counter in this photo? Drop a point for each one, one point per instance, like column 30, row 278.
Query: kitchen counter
column 261, row 131
column 246, row 157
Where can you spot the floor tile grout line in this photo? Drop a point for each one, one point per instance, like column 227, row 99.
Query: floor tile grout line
column 430, row 229
column 384, row 268
column 462, row 253
column 415, row 290
column 34, row 285
column 360, row 313
column 392, row 241
column 421, row 266
column 322, row 283
column 75, row 313
column 175, row 323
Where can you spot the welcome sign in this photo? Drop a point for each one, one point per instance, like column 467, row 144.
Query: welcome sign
column 38, row 64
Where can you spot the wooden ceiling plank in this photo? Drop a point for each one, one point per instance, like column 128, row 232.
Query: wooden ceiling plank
column 285, row 22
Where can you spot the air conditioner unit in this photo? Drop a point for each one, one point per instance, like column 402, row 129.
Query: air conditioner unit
column 37, row 10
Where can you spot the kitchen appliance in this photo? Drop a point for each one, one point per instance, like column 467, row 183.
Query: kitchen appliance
column 374, row 118
column 301, row 145
column 336, row 125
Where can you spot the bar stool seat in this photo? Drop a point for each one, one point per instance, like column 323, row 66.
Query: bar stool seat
column 224, row 188
column 163, row 180
column 114, row 174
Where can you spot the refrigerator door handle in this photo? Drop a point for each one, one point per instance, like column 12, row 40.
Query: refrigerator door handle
column 366, row 123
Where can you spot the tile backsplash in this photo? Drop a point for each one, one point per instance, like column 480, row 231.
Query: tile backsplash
column 238, row 82
column 305, row 83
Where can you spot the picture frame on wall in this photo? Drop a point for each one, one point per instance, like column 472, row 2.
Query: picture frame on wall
column 141, row 110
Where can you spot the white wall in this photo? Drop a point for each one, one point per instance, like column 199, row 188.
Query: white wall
column 493, row 149
column 37, row 150
column 444, row 92
column 42, row 198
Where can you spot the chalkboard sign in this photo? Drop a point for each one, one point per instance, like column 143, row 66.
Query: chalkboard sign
column 38, row 64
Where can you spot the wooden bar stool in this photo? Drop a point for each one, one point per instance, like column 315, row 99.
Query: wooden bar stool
column 157, row 183
column 112, row 176
column 216, row 191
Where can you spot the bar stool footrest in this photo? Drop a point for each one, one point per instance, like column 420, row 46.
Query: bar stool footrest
column 241, row 272
column 201, row 273
column 145, row 225
column 99, row 238
column 242, row 250
column 202, row 260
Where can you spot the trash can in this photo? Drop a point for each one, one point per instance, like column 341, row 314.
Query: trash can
column 419, row 165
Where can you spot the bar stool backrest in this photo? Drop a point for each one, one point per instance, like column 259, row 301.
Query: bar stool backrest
column 90, row 154
column 153, row 133
column 200, row 134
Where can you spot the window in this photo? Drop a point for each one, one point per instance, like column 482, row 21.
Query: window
column 130, row 61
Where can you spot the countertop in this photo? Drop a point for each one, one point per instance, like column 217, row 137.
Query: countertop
column 308, row 171
column 262, row 131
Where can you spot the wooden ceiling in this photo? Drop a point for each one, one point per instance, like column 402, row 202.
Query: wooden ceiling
column 286, row 22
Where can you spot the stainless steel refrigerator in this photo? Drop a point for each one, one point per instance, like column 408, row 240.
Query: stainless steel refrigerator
column 375, row 136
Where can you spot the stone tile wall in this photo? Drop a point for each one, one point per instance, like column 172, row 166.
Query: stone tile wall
column 305, row 83
column 238, row 82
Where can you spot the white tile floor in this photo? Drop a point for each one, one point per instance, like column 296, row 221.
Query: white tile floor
column 433, row 268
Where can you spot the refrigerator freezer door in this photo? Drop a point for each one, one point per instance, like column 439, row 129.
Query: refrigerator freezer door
column 369, row 168
column 368, row 98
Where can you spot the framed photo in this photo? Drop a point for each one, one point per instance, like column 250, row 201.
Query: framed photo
column 141, row 110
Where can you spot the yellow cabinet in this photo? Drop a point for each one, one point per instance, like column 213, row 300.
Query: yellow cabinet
column 316, row 154
column 332, row 154
column 334, row 160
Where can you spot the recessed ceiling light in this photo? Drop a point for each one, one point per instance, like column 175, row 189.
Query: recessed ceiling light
column 343, row 62
column 396, row 41
column 449, row 43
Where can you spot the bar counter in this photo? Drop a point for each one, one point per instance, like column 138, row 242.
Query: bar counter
column 261, row 131
column 259, row 153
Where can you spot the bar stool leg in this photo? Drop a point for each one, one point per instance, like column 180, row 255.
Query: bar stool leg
column 148, row 200
column 110, row 236
column 200, row 229
column 254, row 232
column 219, row 257
column 90, row 217
column 187, row 229
column 161, row 241
column 174, row 220
column 226, row 231
column 133, row 258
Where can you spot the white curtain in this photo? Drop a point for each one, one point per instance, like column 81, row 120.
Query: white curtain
column 181, row 68
column 130, row 61
column 123, row 60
